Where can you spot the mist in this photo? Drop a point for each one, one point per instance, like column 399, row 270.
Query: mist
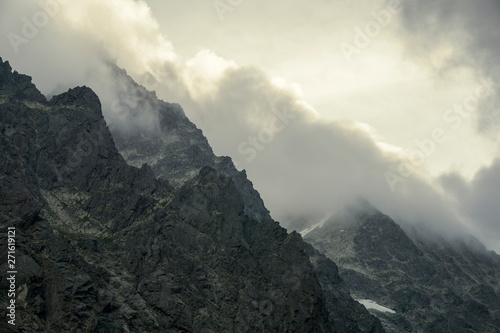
column 450, row 35
column 304, row 165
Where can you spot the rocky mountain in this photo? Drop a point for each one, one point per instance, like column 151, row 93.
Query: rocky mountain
column 354, row 317
column 413, row 283
column 103, row 246
column 172, row 145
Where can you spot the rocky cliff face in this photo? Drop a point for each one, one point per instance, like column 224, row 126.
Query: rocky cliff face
column 102, row 246
column 432, row 285
column 106, row 247
column 172, row 145
column 354, row 317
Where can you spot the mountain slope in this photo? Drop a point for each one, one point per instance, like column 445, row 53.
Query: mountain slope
column 170, row 143
column 353, row 317
column 433, row 285
column 177, row 150
column 102, row 246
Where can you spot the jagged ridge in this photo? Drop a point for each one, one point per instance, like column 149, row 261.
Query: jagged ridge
column 175, row 148
column 434, row 285
column 103, row 246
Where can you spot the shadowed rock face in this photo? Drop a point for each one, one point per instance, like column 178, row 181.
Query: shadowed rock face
column 18, row 86
column 106, row 247
column 172, row 145
column 354, row 317
column 433, row 285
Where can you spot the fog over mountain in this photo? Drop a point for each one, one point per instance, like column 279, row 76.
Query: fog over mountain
column 306, row 158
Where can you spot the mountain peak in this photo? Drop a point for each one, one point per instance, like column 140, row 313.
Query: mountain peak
column 120, row 250
column 439, row 281
column 176, row 149
column 18, row 85
column 83, row 97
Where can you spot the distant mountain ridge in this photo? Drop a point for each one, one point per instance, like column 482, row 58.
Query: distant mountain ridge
column 432, row 285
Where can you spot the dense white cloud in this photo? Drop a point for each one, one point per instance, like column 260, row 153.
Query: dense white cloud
column 304, row 163
column 203, row 71
column 308, row 167
column 126, row 29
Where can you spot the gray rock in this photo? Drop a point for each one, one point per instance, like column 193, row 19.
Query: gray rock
column 103, row 246
column 346, row 315
column 433, row 284
column 176, row 150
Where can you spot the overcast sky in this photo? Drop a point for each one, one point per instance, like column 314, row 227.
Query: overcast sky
column 320, row 101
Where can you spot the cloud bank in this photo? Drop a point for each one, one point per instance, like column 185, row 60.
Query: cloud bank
column 305, row 167
column 478, row 199
column 452, row 34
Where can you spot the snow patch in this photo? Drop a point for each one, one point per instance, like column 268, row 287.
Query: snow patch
column 317, row 225
column 369, row 304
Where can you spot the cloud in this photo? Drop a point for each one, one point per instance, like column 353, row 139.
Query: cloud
column 478, row 200
column 303, row 165
column 306, row 167
column 125, row 28
column 447, row 36
column 452, row 34
column 202, row 72
column 78, row 44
